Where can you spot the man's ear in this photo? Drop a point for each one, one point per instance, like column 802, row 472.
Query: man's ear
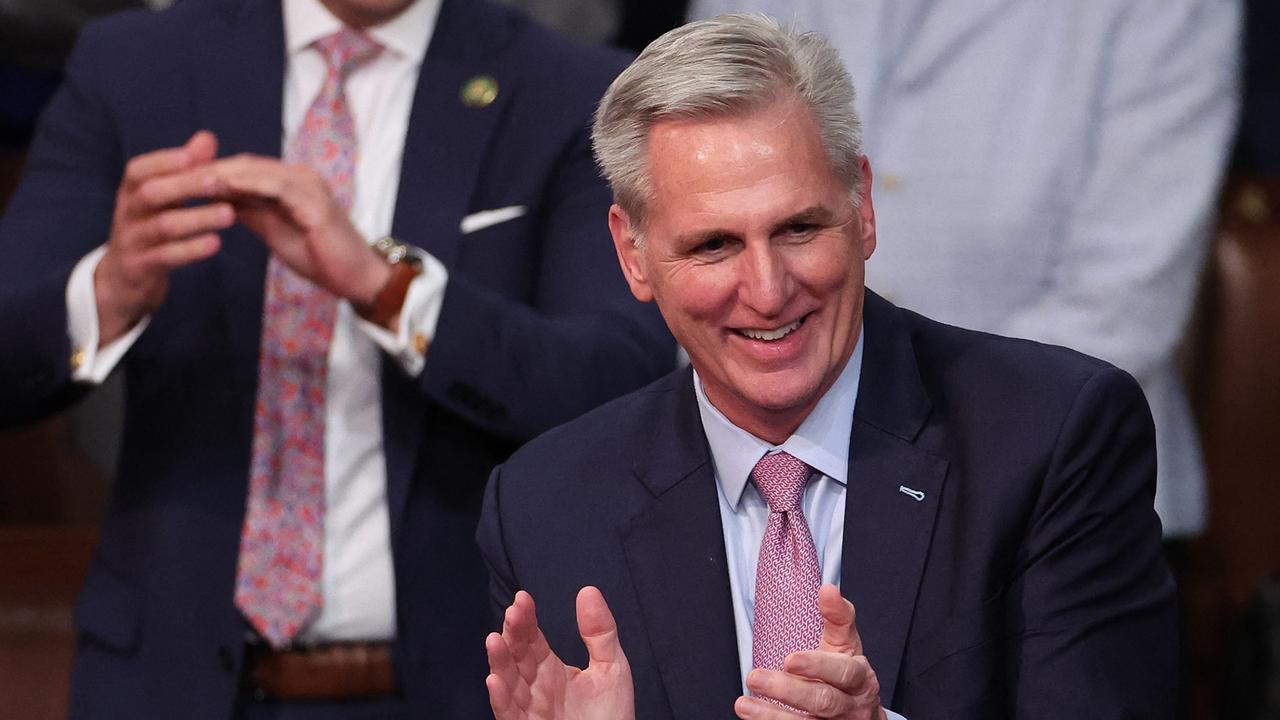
column 630, row 257
column 867, row 212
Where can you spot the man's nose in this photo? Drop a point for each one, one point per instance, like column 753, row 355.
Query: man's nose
column 765, row 283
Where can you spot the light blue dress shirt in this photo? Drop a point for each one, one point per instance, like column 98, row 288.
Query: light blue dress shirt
column 821, row 441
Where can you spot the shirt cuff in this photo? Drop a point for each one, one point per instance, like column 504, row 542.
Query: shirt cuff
column 418, row 317
column 91, row 364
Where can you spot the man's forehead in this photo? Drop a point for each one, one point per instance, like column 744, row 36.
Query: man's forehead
column 770, row 160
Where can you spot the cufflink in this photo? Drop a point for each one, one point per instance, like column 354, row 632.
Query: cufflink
column 77, row 359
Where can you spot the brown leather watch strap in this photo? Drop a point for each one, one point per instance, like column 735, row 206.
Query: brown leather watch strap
column 390, row 298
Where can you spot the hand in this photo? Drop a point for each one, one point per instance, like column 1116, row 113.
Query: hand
column 528, row 682
column 834, row 681
column 154, row 231
column 292, row 209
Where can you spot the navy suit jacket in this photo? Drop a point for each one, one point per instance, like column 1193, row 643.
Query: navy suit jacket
column 537, row 327
column 1028, row 582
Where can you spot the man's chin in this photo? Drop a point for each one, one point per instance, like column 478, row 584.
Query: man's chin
column 770, row 397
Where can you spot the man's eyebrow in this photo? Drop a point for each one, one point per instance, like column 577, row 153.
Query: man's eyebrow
column 813, row 215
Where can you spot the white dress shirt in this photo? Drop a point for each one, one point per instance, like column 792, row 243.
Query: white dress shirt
column 358, row 580
column 1047, row 170
column 822, row 442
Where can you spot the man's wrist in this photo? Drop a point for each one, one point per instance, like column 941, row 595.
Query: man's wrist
column 399, row 268
column 118, row 308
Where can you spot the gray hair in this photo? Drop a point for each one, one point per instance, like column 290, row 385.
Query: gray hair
column 731, row 65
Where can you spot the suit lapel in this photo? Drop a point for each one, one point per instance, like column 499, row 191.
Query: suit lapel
column 443, row 151
column 447, row 140
column 888, row 529
column 675, row 552
column 239, row 76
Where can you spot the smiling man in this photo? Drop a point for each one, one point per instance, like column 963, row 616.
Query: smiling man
column 985, row 503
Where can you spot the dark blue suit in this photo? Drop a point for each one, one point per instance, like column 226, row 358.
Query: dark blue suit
column 1027, row 583
column 537, row 327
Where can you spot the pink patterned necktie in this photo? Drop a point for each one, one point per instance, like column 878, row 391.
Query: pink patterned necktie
column 282, row 543
column 787, row 575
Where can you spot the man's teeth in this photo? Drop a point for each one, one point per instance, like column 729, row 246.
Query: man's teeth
column 777, row 334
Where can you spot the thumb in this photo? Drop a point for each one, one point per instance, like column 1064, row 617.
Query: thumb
column 839, row 631
column 597, row 627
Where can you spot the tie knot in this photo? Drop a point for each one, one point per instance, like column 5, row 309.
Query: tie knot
column 347, row 49
column 781, row 478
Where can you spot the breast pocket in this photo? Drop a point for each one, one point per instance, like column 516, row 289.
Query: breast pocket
column 503, row 256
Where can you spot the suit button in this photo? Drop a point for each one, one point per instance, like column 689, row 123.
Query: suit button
column 226, row 658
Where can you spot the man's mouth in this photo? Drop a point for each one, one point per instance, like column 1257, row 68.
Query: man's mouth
column 771, row 335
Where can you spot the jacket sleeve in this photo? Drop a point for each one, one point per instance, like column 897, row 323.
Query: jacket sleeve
column 502, row 582
column 1091, row 591
column 60, row 212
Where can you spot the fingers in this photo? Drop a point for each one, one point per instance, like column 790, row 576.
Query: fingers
column 170, row 190
column 201, row 148
column 839, row 629
column 597, row 627
column 753, row 708
column 520, row 622
column 514, row 655
column 295, row 195
column 801, row 693
column 858, row 699
column 524, row 638
column 176, row 254
column 252, row 178
column 183, row 223
column 852, row 675
column 503, row 678
column 151, row 247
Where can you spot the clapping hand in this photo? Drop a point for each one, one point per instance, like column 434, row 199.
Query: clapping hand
column 527, row 681
column 834, row 681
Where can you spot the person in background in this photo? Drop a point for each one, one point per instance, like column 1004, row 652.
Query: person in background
column 310, row 417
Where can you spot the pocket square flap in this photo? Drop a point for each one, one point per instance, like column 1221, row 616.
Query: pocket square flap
column 485, row 218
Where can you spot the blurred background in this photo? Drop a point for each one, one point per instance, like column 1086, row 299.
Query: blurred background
column 55, row 475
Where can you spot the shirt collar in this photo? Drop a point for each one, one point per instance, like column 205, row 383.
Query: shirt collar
column 407, row 34
column 821, row 441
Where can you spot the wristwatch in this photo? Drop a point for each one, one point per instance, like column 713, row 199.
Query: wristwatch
column 405, row 266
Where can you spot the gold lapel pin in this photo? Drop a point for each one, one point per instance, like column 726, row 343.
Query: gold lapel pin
column 480, row 91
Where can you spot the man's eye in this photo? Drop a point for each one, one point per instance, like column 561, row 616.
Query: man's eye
column 715, row 244
column 801, row 228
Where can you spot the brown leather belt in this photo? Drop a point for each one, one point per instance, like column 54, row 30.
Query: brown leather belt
column 330, row 671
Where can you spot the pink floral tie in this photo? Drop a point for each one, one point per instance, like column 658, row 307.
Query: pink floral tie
column 282, row 543
column 787, row 575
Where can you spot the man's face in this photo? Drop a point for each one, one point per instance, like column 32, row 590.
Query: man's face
column 366, row 13
column 754, row 253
